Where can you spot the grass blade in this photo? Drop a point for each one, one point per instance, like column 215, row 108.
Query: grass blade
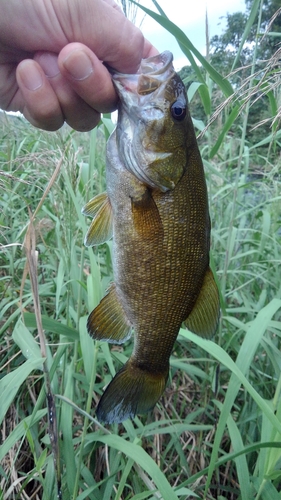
column 136, row 453
column 249, row 24
column 188, row 49
column 10, row 384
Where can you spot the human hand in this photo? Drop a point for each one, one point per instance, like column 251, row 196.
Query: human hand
column 52, row 54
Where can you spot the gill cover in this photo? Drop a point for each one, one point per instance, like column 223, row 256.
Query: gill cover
column 152, row 122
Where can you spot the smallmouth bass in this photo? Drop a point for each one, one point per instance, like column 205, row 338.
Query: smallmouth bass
column 156, row 209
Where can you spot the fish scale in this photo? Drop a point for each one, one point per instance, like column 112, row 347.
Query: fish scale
column 156, row 210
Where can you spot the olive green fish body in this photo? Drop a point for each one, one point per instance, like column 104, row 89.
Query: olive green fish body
column 157, row 210
column 158, row 270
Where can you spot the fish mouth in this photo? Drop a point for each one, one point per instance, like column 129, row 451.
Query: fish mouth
column 152, row 72
column 156, row 65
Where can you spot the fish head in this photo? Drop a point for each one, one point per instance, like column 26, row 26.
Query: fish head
column 154, row 129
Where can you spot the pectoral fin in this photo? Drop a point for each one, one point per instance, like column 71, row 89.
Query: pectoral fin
column 205, row 314
column 146, row 218
column 100, row 229
column 108, row 320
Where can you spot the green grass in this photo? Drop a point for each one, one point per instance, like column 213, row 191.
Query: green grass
column 215, row 433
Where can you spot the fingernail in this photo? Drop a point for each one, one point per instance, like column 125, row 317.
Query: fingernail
column 49, row 64
column 30, row 75
column 78, row 64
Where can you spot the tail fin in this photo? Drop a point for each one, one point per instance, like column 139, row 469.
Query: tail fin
column 131, row 391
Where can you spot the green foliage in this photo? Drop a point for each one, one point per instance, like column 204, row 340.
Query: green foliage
column 247, row 54
column 216, row 431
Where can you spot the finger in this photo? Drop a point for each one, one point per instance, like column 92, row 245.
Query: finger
column 149, row 50
column 88, row 77
column 107, row 32
column 113, row 4
column 77, row 113
column 8, row 86
column 38, row 101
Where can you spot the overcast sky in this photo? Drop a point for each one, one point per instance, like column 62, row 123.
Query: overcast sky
column 189, row 15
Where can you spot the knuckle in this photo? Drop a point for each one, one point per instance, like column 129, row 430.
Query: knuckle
column 130, row 54
column 45, row 120
column 50, row 116
column 85, row 124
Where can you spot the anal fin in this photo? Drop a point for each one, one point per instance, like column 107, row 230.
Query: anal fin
column 108, row 321
column 100, row 229
column 205, row 314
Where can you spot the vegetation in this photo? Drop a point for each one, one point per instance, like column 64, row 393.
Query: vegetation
column 247, row 54
column 216, row 432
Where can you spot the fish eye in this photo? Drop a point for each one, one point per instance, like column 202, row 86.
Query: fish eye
column 178, row 110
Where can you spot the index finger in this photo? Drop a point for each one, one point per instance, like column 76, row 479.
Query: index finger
column 108, row 34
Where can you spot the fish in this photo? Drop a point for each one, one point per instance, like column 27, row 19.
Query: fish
column 156, row 211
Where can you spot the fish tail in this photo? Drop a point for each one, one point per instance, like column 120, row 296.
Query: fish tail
column 132, row 391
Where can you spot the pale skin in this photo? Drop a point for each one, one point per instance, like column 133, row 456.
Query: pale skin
column 52, row 54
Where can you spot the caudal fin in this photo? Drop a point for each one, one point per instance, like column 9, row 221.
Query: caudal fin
column 131, row 391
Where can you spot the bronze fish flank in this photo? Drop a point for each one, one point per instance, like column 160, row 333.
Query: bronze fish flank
column 156, row 208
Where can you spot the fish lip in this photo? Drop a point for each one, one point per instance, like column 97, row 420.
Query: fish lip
column 152, row 73
column 154, row 65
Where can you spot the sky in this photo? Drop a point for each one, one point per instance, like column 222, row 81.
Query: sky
column 189, row 15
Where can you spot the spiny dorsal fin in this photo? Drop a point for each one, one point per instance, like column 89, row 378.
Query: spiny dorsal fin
column 108, row 320
column 205, row 314
column 100, row 229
